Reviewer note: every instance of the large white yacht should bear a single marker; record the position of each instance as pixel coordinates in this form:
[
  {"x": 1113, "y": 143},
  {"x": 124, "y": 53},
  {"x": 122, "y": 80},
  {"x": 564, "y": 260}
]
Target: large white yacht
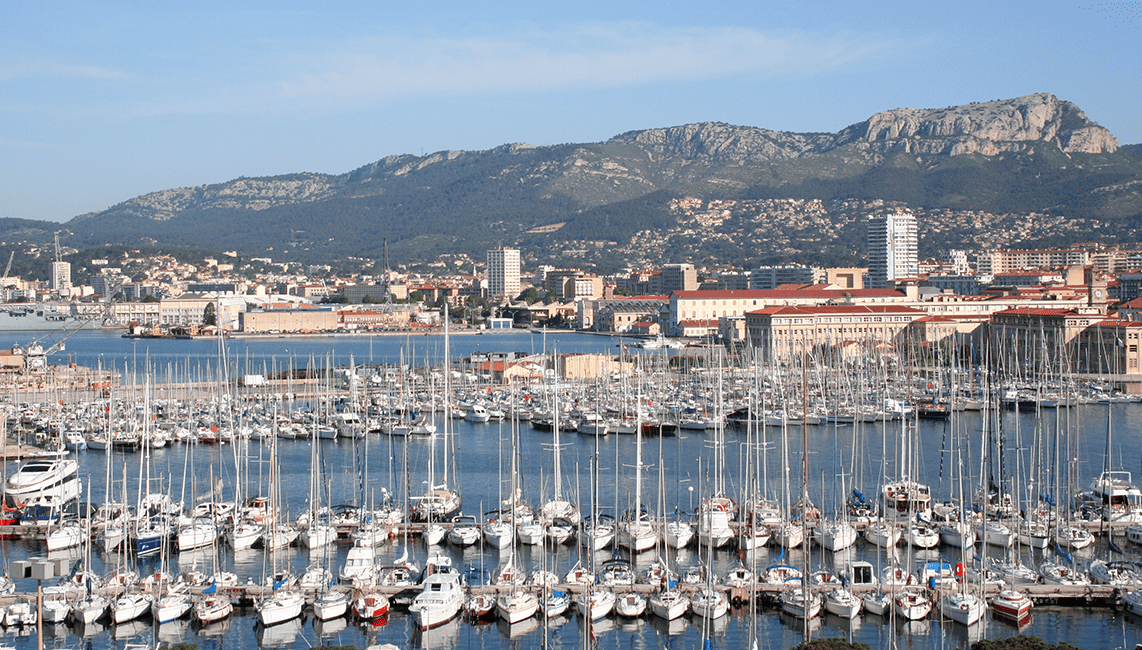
[{"x": 43, "y": 481}]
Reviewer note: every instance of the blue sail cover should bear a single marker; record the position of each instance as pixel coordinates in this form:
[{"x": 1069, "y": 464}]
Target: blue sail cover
[{"x": 1063, "y": 554}]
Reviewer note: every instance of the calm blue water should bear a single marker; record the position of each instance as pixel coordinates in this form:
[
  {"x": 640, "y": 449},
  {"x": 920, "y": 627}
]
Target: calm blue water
[{"x": 481, "y": 450}]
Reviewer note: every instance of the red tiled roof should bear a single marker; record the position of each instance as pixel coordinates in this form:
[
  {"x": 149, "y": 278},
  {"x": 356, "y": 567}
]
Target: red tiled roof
[
  {"x": 1117, "y": 322},
  {"x": 819, "y": 310},
  {"x": 797, "y": 293},
  {"x": 1036, "y": 311}
]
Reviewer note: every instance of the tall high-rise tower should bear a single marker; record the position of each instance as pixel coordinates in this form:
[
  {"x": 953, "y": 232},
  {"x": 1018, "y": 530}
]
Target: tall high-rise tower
[
  {"x": 892, "y": 249},
  {"x": 61, "y": 271},
  {"x": 503, "y": 273}
]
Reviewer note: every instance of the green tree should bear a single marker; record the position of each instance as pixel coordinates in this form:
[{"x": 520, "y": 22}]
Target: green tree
[
  {"x": 529, "y": 295},
  {"x": 150, "y": 298},
  {"x": 1020, "y": 642},
  {"x": 209, "y": 318}
]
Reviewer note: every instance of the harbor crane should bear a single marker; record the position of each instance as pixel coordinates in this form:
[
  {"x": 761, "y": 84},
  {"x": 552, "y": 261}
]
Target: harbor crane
[
  {"x": 36, "y": 354},
  {"x": 7, "y": 269}
]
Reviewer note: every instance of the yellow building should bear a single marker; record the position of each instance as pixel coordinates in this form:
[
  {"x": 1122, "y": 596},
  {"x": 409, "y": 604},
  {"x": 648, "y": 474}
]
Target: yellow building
[
  {"x": 788, "y": 331},
  {"x": 288, "y": 320},
  {"x": 591, "y": 366},
  {"x": 713, "y": 305}
]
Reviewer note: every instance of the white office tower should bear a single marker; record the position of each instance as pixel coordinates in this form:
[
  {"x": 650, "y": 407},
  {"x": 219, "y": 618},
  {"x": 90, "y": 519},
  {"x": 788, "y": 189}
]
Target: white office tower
[
  {"x": 61, "y": 276},
  {"x": 891, "y": 249},
  {"x": 503, "y": 273}
]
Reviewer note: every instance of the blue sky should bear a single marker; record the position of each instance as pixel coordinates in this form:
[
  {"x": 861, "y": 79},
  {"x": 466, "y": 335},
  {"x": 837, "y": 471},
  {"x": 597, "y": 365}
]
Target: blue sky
[{"x": 104, "y": 101}]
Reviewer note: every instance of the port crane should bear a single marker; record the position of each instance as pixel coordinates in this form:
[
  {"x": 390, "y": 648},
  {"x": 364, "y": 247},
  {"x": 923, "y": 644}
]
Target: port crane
[
  {"x": 7, "y": 269},
  {"x": 37, "y": 352}
]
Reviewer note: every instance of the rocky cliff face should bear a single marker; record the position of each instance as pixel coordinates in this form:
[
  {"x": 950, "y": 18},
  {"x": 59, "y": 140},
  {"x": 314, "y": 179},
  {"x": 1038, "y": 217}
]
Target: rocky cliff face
[
  {"x": 986, "y": 128},
  {"x": 718, "y": 141},
  {"x": 248, "y": 193},
  {"x": 528, "y": 180}
]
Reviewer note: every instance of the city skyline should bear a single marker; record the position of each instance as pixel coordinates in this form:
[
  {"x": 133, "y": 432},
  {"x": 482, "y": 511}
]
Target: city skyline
[{"x": 120, "y": 101}]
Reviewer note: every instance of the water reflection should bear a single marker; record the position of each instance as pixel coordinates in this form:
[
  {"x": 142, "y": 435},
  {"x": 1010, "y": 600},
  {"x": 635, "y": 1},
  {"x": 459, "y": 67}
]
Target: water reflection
[
  {"x": 216, "y": 629},
  {"x": 676, "y": 627},
  {"x": 332, "y": 627},
  {"x": 281, "y": 634},
  {"x": 517, "y": 630},
  {"x": 443, "y": 636},
  {"x": 131, "y": 630},
  {"x": 174, "y": 631}
]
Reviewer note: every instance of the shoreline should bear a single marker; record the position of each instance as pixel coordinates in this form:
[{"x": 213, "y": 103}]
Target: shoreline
[{"x": 385, "y": 333}]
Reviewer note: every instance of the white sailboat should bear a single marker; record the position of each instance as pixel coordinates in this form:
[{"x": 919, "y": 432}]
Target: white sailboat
[
  {"x": 285, "y": 603},
  {"x": 635, "y": 531},
  {"x": 442, "y": 501}
]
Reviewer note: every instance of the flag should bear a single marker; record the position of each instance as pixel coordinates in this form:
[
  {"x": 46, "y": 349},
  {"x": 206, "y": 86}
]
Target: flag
[{"x": 1120, "y": 343}]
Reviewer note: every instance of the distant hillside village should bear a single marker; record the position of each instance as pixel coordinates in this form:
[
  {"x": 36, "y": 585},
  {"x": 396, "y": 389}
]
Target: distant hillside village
[{"x": 1039, "y": 301}]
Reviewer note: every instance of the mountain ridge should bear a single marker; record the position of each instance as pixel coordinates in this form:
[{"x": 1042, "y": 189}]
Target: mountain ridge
[{"x": 1026, "y": 154}]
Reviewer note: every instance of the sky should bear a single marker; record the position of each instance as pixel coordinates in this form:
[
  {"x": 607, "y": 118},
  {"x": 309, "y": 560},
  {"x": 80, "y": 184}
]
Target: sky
[{"x": 101, "y": 102}]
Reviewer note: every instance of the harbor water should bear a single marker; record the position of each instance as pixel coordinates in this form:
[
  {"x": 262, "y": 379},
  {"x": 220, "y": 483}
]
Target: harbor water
[{"x": 678, "y": 472}]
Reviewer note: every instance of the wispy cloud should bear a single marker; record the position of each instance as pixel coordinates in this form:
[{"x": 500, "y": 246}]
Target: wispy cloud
[
  {"x": 589, "y": 56},
  {"x": 54, "y": 68}
]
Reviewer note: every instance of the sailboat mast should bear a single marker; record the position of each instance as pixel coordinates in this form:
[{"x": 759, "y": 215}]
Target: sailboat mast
[
  {"x": 447, "y": 395},
  {"x": 555, "y": 430}
]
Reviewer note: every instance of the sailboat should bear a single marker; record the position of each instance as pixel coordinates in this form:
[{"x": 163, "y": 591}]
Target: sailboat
[
  {"x": 909, "y": 601},
  {"x": 961, "y": 605},
  {"x": 92, "y": 606},
  {"x": 285, "y": 603},
  {"x": 597, "y": 531},
  {"x": 500, "y": 529},
  {"x": 517, "y": 605},
  {"x": 171, "y": 600},
  {"x": 558, "y": 507},
  {"x": 635, "y": 531},
  {"x": 370, "y": 605},
  {"x": 442, "y": 501},
  {"x": 802, "y": 602},
  {"x": 320, "y": 531}
]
